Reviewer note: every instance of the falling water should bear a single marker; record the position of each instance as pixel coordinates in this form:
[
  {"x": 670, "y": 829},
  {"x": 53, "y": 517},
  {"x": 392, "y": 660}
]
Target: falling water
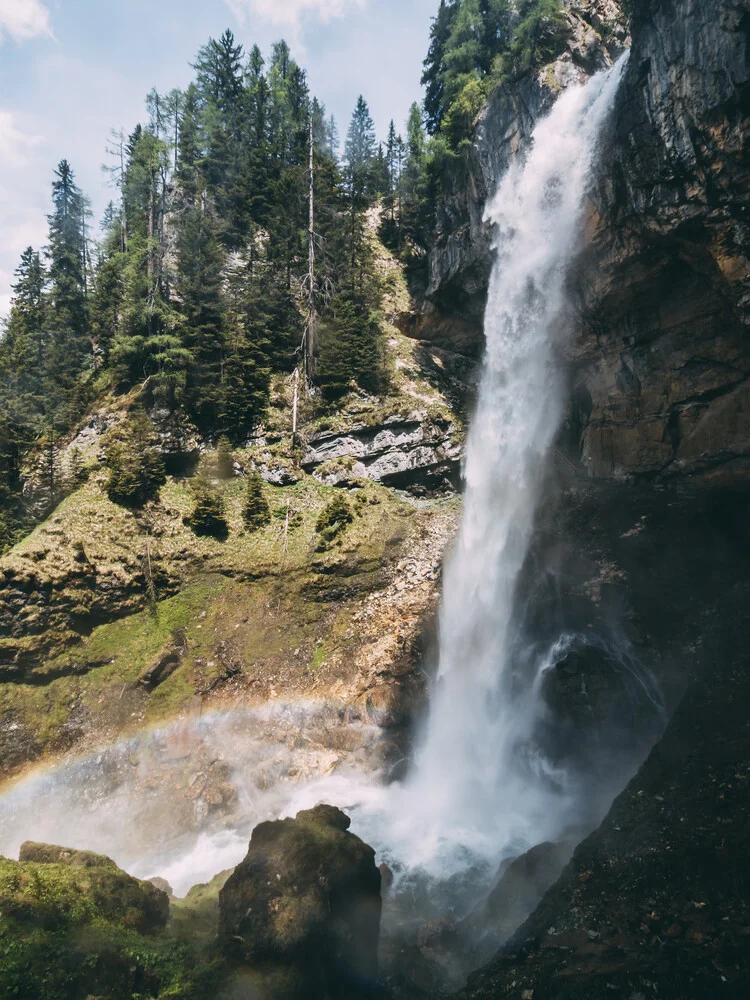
[{"x": 480, "y": 787}]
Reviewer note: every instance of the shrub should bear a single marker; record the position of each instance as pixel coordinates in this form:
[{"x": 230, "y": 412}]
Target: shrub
[
  {"x": 136, "y": 468},
  {"x": 209, "y": 513},
  {"x": 255, "y": 513},
  {"x": 334, "y": 518}
]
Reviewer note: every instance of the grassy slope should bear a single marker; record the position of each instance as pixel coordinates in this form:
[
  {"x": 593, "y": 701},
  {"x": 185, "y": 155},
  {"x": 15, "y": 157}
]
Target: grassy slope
[{"x": 268, "y": 602}]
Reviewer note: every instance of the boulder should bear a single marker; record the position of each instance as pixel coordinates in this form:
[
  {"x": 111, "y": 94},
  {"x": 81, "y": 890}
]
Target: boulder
[{"x": 307, "y": 896}]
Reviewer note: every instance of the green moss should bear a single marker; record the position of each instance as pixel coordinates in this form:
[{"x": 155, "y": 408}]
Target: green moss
[
  {"x": 65, "y": 936},
  {"x": 319, "y": 656}
]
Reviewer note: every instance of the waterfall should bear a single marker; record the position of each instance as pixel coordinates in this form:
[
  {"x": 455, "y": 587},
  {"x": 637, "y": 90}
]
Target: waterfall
[{"x": 480, "y": 789}]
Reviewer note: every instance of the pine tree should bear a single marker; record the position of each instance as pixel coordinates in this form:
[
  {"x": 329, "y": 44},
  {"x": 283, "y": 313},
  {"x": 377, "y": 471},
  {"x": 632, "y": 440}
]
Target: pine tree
[
  {"x": 189, "y": 148},
  {"x": 107, "y": 301},
  {"x": 351, "y": 348},
  {"x": 359, "y": 152},
  {"x": 201, "y": 314},
  {"x": 209, "y": 514},
  {"x": 255, "y": 512},
  {"x": 413, "y": 216},
  {"x": 76, "y": 472},
  {"x": 136, "y": 468},
  {"x": 224, "y": 458},
  {"x": 435, "y": 101},
  {"x": 29, "y": 305},
  {"x": 67, "y": 317},
  {"x": 220, "y": 84}
]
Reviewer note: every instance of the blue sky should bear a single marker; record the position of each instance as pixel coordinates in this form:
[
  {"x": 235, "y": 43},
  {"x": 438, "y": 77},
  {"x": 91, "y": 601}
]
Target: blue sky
[{"x": 70, "y": 70}]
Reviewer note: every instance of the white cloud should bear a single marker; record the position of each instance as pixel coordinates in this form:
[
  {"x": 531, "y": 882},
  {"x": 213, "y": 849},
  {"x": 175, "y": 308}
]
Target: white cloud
[
  {"x": 290, "y": 13},
  {"x": 15, "y": 144},
  {"x": 22, "y": 19}
]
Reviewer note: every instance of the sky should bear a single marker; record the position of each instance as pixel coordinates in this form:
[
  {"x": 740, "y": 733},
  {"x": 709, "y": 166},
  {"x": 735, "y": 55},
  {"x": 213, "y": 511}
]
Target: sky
[{"x": 71, "y": 70}]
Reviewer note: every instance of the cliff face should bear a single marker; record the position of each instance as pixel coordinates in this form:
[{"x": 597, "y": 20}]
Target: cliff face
[
  {"x": 657, "y": 349},
  {"x": 661, "y": 357}
]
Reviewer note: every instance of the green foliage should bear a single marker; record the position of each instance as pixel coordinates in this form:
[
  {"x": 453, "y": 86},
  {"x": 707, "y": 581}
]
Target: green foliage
[
  {"x": 136, "y": 468},
  {"x": 477, "y": 43},
  {"x": 65, "y": 934},
  {"x": 67, "y": 336},
  {"x": 461, "y": 115},
  {"x": 351, "y": 348},
  {"x": 196, "y": 293},
  {"x": 334, "y": 519},
  {"x": 76, "y": 473},
  {"x": 537, "y": 39},
  {"x": 255, "y": 511},
  {"x": 209, "y": 514}
]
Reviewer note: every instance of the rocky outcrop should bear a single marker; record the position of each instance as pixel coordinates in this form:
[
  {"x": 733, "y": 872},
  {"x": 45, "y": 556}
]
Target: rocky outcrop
[
  {"x": 400, "y": 452},
  {"x": 307, "y": 896}
]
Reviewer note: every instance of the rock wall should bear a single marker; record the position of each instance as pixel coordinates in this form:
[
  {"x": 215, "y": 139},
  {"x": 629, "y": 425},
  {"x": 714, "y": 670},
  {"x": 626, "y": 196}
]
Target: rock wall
[
  {"x": 660, "y": 358},
  {"x": 657, "y": 350}
]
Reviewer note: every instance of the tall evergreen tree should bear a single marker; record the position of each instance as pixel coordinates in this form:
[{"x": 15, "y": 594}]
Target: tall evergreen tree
[
  {"x": 201, "y": 312},
  {"x": 359, "y": 150},
  {"x": 67, "y": 317},
  {"x": 435, "y": 101}
]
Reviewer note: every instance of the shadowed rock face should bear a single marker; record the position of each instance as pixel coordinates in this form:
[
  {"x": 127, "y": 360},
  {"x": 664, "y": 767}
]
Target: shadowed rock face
[
  {"x": 655, "y": 902},
  {"x": 660, "y": 355},
  {"x": 306, "y": 896}
]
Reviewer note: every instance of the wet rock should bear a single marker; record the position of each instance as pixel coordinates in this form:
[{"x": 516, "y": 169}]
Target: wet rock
[
  {"x": 386, "y": 876},
  {"x": 306, "y": 896}
]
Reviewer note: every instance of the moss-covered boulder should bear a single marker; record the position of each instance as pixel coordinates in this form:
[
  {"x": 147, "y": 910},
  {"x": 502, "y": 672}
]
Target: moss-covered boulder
[
  {"x": 73, "y": 925},
  {"x": 307, "y": 897}
]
